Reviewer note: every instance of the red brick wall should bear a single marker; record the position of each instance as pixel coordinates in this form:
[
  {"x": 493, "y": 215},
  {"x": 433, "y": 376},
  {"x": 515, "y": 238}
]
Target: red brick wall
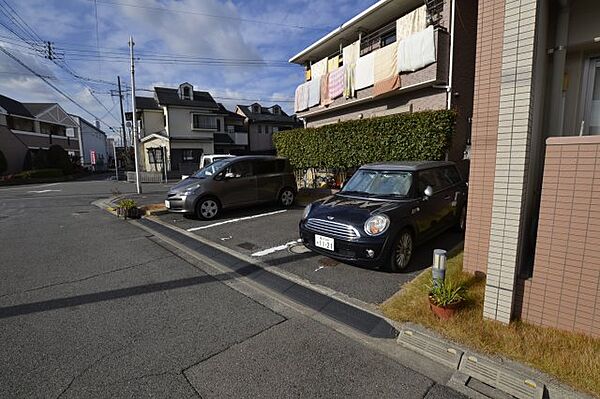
[
  {"x": 490, "y": 30},
  {"x": 564, "y": 291}
]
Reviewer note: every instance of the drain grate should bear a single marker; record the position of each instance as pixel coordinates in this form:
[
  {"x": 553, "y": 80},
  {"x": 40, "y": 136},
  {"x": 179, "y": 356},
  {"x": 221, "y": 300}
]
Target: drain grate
[
  {"x": 431, "y": 348},
  {"x": 247, "y": 245},
  {"x": 494, "y": 375}
]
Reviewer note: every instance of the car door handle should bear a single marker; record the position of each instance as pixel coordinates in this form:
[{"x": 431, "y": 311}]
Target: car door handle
[{"x": 448, "y": 197}]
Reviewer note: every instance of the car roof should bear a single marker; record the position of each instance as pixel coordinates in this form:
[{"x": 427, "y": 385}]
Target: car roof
[
  {"x": 257, "y": 157},
  {"x": 411, "y": 166}
]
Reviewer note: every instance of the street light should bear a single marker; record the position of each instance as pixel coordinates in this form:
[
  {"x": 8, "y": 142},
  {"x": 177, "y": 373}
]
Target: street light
[{"x": 438, "y": 270}]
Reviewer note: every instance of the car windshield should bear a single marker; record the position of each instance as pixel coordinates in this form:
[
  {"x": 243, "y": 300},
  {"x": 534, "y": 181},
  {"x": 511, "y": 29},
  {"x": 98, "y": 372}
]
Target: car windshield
[
  {"x": 211, "y": 169},
  {"x": 379, "y": 183}
]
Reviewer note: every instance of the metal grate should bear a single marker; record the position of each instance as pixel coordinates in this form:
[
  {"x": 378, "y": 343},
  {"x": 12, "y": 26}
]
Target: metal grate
[
  {"x": 434, "y": 11},
  {"x": 333, "y": 229}
]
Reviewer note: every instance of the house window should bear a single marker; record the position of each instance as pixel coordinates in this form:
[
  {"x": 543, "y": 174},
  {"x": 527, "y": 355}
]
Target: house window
[
  {"x": 218, "y": 125},
  {"x": 276, "y": 110},
  {"x": 188, "y": 155},
  {"x": 275, "y": 129},
  {"x": 388, "y": 38},
  {"x": 256, "y": 108},
  {"x": 204, "y": 121},
  {"x": 186, "y": 93},
  {"x": 230, "y": 129}
]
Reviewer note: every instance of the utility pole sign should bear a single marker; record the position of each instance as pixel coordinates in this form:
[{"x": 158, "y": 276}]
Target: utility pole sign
[{"x": 93, "y": 157}]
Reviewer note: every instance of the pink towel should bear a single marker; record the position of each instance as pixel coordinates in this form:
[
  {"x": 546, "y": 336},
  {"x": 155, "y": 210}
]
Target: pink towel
[{"x": 336, "y": 82}]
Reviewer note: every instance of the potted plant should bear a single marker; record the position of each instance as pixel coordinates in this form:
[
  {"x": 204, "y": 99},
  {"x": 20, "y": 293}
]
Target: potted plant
[
  {"x": 127, "y": 208},
  {"x": 445, "y": 298}
]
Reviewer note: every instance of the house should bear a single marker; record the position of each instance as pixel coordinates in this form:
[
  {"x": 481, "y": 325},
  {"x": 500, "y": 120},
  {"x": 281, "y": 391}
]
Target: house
[
  {"x": 181, "y": 124},
  {"x": 235, "y": 138},
  {"x": 93, "y": 145},
  {"x": 396, "y": 56},
  {"x": 29, "y": 127},
  {"x": 261, "y": 122},
  {"x": 533, "y": 222}
]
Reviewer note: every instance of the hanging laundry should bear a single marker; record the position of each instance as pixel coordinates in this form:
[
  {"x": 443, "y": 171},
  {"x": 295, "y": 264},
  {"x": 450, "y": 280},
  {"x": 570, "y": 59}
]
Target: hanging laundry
[
  {"x": 336, "y": 83},
  {"x": 364, "y": 72},
  {"x": 301, "y": 98},
  {"x": 411, "y": 23},
  {"x": 350, "y": 53},
  {"x": 386, "y": 72},
  {"x": 307, "y": 75},
  {"x": 314, "y": 92},
  {"x": 349, "y": 81},
  {"x": 333, "y": 63},
  {"x": 325, "y": 99},
  {"x": 417, "y": 51},
  {"x": 319, "y": 68}
]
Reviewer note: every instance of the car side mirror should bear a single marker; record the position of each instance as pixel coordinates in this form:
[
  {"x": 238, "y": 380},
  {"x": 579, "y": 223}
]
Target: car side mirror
[{"x": 428, "y": 192}]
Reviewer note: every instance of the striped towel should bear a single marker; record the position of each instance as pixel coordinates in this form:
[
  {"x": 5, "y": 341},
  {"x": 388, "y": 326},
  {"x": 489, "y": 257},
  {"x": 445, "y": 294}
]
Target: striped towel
[{"x": 336, "y": 82}]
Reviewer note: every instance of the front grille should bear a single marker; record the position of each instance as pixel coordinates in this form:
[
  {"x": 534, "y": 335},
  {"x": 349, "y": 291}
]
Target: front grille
[{"x": 333, "y": 229}]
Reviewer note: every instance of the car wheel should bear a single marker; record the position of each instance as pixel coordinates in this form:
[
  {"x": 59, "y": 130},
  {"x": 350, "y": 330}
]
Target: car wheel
[
  {"x": 401, "y": 251},
  {"x": 287, "y": 197},
  {"x": 208, "y": 208}
]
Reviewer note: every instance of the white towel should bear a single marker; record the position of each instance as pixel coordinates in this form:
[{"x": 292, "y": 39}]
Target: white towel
[
  {"x": 301, "y": 98},
  {"x": 319, "y": 69},
  {"x": 364, "y": 73},
  {"x": 314, "y": 92},
  {"x": 351, "y": 53},
  {"x": 416, "y": 51}
]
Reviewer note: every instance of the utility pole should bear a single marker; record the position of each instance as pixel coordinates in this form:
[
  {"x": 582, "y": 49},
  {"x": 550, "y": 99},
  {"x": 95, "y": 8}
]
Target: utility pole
[
  {"x": 134, "y": 119},
  {"x": 122, "y": 117}
]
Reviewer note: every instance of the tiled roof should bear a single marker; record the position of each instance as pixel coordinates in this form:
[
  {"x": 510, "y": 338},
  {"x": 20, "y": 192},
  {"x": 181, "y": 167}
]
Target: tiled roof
[
  {"x": 202, "y": 99},
  {"x": 146, "y": 103},
  {"x": 266, "y": 115},
  {"x": 228, "y": 112},
  {"x": 13, "y": 107}
]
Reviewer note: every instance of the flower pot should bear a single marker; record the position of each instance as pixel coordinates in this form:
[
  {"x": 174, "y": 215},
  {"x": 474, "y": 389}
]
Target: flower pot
[{"x": 444, "y": 312}]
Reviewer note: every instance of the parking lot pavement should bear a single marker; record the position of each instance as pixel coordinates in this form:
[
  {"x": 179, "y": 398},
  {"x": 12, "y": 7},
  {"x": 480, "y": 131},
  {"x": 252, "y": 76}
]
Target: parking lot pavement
[{"x": 265, "y": 232}]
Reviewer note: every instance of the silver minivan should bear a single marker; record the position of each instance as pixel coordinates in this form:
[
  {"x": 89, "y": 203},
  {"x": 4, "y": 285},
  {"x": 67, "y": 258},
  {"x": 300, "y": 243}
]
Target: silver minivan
[{"x": 234, "y": 182}]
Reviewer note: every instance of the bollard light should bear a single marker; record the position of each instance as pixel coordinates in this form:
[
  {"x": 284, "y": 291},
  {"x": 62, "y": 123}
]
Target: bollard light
[{"x": 438, "y": 270}]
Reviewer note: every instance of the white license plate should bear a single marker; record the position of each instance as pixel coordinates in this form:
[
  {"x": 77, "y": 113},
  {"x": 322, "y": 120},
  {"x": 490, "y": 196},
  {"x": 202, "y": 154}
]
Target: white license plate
[
  {"x": 167, "y": 204},
  {"x": 324, "y": 242}
]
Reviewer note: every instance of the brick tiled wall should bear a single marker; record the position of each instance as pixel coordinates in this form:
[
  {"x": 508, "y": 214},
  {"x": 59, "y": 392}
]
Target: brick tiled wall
[
  {"x": 490, "y": 29},
  {"x": 564, "y": 291}
]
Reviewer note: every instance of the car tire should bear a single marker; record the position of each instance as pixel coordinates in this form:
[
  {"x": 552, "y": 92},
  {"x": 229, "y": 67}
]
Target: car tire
[
  {"x": 208, "y": 208},
  {"x": 287, "y": 196},
  {"x": 402, "y": 251},
  {"x": 461, "y": 224}
]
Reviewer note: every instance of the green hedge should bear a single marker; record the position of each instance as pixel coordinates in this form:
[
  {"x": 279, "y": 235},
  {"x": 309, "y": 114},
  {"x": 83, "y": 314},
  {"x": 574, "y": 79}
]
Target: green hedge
[
  {"x": 404, "y": 137},
  {"x": 39, "y": 173}
]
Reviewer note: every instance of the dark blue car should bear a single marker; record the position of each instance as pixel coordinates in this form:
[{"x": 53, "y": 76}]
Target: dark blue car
[{"x": 384, "y": 210}]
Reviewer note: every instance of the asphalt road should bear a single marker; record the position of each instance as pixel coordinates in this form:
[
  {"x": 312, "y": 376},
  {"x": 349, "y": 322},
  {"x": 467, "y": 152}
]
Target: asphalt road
[
  {"x": 92, "y": 306},
  {"x": 264, "y": 231}
]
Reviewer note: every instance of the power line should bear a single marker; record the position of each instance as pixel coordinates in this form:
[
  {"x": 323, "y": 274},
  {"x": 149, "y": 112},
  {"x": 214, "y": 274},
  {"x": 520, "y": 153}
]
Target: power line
[
  {"x": 194, "y": 12},
  {"x": 28, "y": 28},
  {"x": 65, "y": 95}
]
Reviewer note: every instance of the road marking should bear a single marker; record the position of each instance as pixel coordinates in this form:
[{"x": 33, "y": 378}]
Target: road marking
[
  {"x": 319, "y": 268},
  {"x": 274, "y": 249},
  {"x": 42, "y": 191},
  {"x": 236, "y": 220}
]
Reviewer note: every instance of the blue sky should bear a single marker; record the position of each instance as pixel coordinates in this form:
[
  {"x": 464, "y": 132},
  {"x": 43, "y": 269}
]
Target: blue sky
[{"x": 217, "y": 29}]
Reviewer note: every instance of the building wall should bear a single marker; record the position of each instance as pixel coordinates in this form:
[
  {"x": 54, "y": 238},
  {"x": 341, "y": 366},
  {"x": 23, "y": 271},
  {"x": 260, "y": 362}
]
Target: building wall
[
  {"x": 260, "y": 141},
  {"x": 564, "y": 291},
  {"x": 93, "y": 140},
  {"x": 490, "y": 31},
  {"x": 153, "y": 121},
  {"x": 14, "y": 150},
  {"x": 180, "y": 124}
]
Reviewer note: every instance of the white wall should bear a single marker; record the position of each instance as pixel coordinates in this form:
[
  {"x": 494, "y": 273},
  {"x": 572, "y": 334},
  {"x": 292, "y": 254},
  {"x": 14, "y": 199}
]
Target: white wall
[
  {"x": 93, "y": 139},
  {"x": 180, "y": 124},
  {"x": 153, "y": 121}
]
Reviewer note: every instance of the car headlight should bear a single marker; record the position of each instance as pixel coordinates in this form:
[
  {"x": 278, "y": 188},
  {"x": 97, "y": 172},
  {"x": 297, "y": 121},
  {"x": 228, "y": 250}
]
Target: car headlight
[
  {"x": 306, "y": 211},
  {"x": 191, "y": 189},
  {"x": 377, "y": 225}
]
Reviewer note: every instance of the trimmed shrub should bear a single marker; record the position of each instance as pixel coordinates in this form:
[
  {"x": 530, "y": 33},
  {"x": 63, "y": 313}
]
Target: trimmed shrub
[
  {"x": 404, "y": 137},
  {"x": 3, "y": 163},
  {"x": 58, "y": 158},
  {"x": 39, "y": 174}
]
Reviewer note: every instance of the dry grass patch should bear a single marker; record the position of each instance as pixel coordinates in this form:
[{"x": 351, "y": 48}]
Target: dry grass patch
[{"x": 571, "y": 358}]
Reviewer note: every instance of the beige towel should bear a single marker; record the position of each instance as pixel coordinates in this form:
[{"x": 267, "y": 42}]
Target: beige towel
[
  {"x": 325, "y": 99},
  {"x": 350, "y": 53},
  {"x": 386, "y": 85},
  {"x": 333, "y": 63},
  {"x": 410, "y": 23},
  {"x": 386, "y": 62}
]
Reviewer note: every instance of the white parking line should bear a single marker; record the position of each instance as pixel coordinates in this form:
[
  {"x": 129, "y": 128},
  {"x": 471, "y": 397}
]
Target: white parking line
[
  {"x": 42, "y": 191},
  {"x": 236, "y": 220},
  {"x": 274, "y": 249}
]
